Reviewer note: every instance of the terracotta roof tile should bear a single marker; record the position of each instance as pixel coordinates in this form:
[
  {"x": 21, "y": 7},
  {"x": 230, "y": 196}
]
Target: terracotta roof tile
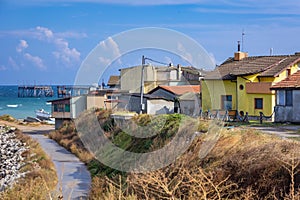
[
  {"x": 292, "y": 81},
  {"x": 266, "y": 65}
]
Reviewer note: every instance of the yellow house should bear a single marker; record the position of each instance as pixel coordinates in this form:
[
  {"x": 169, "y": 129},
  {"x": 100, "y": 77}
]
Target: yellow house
[{"x": 242, "y": 83}]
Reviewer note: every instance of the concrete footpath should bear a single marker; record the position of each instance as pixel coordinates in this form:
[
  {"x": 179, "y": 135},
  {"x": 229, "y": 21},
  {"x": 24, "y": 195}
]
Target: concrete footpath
[{"x": 74, "y": 180}]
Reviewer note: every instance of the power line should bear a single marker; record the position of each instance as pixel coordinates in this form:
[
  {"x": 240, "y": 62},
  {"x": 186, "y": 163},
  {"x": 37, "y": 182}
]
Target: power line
[{"x": 156, "y": 61}]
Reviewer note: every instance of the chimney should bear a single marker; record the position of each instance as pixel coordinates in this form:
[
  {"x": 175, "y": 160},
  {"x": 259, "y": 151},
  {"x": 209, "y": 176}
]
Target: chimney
[
  {"x": 240, "y": 55},
  {"x": 239, "y": 46},
  {"x": 178, "y": 71}
]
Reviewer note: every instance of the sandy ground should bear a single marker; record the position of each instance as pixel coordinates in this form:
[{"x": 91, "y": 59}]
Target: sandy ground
[
  {"x": 285, "y": 131},
  {"x": 74, "y": 178}
]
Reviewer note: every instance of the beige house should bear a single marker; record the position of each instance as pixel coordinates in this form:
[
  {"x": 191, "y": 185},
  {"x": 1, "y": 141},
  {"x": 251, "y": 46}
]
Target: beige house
[
  {"x": 67, "y": 109},
  {"x": 70, "y": 108},
  {"x": 154, "y": 76}
]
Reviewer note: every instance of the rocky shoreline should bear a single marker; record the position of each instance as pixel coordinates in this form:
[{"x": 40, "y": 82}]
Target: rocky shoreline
[{"x": 11, "y": 160}]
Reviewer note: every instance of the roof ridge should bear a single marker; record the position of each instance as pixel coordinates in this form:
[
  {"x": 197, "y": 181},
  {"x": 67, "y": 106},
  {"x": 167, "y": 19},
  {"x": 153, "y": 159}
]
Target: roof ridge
[{"x": 274, "y": 64}]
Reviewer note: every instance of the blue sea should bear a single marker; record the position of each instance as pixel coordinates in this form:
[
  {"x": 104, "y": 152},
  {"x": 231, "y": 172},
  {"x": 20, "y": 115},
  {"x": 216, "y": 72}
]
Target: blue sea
[{"x": 20, "y": 108}]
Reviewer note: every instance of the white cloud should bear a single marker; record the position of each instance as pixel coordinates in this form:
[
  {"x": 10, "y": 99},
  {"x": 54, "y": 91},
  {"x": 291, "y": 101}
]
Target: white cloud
[
  {"x": 37, "y": 61},
  {"x": 112, "y": 51},
  {"x": 187, "y": 56},
  {"x": 110, "y": 45},
  {"x": 21, "y": 46},
  {"x": 104, "y": 61},
  {"x": 45, "y": 33},
  {"x": 13, "y": 63},
  {"x": 63, "y": 53}
]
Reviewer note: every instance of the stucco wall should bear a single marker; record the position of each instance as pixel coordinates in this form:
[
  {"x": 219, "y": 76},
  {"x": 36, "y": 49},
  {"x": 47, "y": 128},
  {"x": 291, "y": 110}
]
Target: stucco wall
[
  {"x": 246, "y": 98},
  {"x": 159, "y": 106},
  {"x": 78, "y": 105},
  {"x": 131, "y": 78},
  {"x": 289, "y": 113},
  {"x": 130, "y": 103},
  {"x": 95, "y": 102},
  {"x": 189, "y": 107},
  {"x": 212, "y": 91}
]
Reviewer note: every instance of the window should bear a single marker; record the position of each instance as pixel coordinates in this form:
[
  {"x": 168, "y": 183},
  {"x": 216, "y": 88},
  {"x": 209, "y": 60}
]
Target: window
[
  {"x": 226, "y": 102},
  {"x": 258, "y": 103},
  {"x": 288, "y": 72},
  {"x": 289, "y": 97},
  {"x": 55, "y": 108},
  {"x": 281, "y": 97},
  {"x": 284, "y": 97},
  {"x": 67, "y": 107},
  {"x": 61, "y": 108}
]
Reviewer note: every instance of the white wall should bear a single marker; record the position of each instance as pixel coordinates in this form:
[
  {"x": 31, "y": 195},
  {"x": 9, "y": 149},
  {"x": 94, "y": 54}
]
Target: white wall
[
  {"x": 296, "y": 106},
  {"x": 95, "y": 102},
  {"x": 131, "y": 77},
  {"x": 289, "y": 113},
  {"x": 78, "y": 105},
  {"x": 159, "y": 106}
]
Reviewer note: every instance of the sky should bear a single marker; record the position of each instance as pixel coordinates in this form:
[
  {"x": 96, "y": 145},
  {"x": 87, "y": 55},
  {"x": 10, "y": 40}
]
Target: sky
[{"x": 46, "y": 41}]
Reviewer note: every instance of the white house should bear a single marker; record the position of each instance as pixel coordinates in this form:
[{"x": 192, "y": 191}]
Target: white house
[{"x": 287, "y": 107}]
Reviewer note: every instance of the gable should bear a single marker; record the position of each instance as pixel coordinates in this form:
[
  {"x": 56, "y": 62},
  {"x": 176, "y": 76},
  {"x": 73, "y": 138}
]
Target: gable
[
  {"x": 267, "y": 66},
  {"x": 291, "y": 82}
]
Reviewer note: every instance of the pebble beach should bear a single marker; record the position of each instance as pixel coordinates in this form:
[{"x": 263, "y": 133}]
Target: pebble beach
[{"x": 11, "y": 160}]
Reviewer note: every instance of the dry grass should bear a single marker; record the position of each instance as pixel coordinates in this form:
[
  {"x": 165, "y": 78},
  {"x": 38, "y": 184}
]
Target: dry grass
[
  {"x": 236, "y": 164},
  {"x": 7, "y": 118},
  {"x": 41, "y": 177},
  {"x": 242, "y": 165}
]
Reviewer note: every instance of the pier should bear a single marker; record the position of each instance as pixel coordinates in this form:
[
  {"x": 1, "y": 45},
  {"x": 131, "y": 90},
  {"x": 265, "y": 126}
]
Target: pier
[{"x": 35, "y": 91}]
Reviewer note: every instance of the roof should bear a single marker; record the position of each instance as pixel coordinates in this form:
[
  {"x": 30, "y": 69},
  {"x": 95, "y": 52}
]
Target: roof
[
  {"x": 292, "y": 82},
  {"x": 147, "y": 96},
  {"x": 113, "y": 80},
  {"x": 267, "y": 66},
  {"x": 59, "y": 100},
  {"x": 189, "y": 96},
  {"x": 178, "y": 90},
  {"x": 193, "y": 70}
]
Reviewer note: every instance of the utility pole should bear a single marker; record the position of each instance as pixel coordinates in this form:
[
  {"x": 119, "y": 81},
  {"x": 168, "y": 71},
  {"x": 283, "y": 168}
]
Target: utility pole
[{"x": 142, "y": 85}]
